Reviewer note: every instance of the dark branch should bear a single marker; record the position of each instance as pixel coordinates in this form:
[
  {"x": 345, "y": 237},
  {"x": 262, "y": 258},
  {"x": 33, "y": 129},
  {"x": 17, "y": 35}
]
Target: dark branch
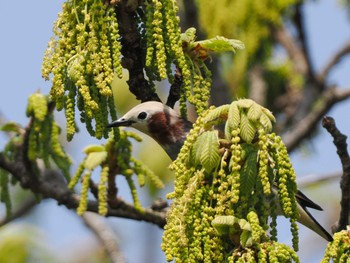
[
  {"x": 175, "y": 89},
  {"x": 315, "y": 179},
  {"x": 132, "y": 51},
  {"x": 53, "y": 186},
  {"x": 303, "y": 129},
  {"x": 23, "y": 209},
  {"x": 106, "y": 235},
  {"x": 302, "y": 39},
  {"x": 258, "y": 87},
  {"x": 338, "y": 56},
  {"x": 295, "y": 53},
  {"x": 339, "y": 141}
]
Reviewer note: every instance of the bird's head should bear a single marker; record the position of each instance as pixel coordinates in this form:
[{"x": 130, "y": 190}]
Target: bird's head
[{"x": 160, "y": 122}]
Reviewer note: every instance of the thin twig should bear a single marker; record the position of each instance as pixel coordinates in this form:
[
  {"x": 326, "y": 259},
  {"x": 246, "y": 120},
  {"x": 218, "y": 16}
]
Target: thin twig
[
  {"x": 339, "y": 141},
  {"x": 337, "y": 57},
  {"x": 293, "y": 50},
  {"x": 24, "y": 208},
  {"x": 51, "y": 186},
  {"x": 105, "y": 234},
  {"x": 312, "y": 179},
  {"x": 304, "y": 128},
  {"x": 300, "y": 27}
]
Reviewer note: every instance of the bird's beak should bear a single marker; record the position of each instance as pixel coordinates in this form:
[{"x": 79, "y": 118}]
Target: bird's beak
[{"x": 120, "y": 122}]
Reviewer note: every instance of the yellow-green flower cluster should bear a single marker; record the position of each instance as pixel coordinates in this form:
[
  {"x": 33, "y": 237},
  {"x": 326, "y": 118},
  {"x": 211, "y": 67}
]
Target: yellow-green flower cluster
[
  {"x": 114, "y": 158},
  {"x": 162, "y": 38},
  {"x": 43, "y": 141},
  {"x": 165, "y": 48},
  {"x": 82, "y": 58},
  {"x": 196, "y": 75},
  {"x": 247, "y": 170},
  {"x": 339, "y": 249},
  {"x": 272, "y": 252}
]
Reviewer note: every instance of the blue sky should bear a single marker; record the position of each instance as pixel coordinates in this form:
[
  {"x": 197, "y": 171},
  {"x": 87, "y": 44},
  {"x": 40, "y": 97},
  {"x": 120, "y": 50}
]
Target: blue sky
[{"x": 25, "y": 28}]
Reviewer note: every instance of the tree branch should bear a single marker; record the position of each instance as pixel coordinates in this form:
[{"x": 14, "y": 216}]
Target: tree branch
[
  {"x": 296, "y": 54},
  {"x": 313, "y": 179},
  {"x": 300, "y": 27},
  {"x": 339, "y": 141},
  {"x": 337, "y": 57},
  {"x": 52, "y": 185},
  {"x": 175, "y": 89},
  {"x": 105, "y": 234},
  {"x": 258, "y": 87},
  {"x": 24, "y": 208},
  {"x": 132, "y": 51},
  {"x": 305, "y": 126}
]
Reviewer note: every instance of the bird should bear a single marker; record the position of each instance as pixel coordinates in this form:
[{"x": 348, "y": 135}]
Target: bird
[{"x": 169, "y": 130}]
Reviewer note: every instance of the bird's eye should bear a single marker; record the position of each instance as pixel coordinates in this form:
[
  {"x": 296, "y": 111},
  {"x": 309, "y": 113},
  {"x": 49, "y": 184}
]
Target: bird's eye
[{"x": 142, "y": 115}]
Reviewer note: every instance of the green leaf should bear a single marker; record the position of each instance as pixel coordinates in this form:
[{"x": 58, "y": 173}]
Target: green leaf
[
  {"x": 234, "y": 117},
  {"x": 206, "y": 150},
  {"x": 249, "y": 171},
  {"x": 246, "y": 239},
  {"x": 245, "y": 103},
  {"x": 222, "y": 224},
  {"x": 244, "y": 224},
  {"x": 210, "y": 156},
  {"x": 215, "y": 114},
  {"x": 266, "y": 122},
  {"x": 254, "y": 112},
  {"x": 189, "y": 35},
  {"x": 196, "y": 151},
  {"x": 11, "y": 127},
  {"x": 220, "y": 44},
  {"x": 248, "y": 129},
  {"x": 268, "y": 114},
  {"x": 93, "y": 148},
  {"x": 94, "y": 159}
]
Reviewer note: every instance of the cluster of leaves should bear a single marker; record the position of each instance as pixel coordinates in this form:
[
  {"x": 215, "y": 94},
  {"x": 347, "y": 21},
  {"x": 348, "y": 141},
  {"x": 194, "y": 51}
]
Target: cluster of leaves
[
  {"x": 197, "y": 85},
  {"x": 247, "y": 170},
  {"x": 83, "y": 56},
  {"x": 112, "y": 158},
  {"x": 339, "y": 249}
]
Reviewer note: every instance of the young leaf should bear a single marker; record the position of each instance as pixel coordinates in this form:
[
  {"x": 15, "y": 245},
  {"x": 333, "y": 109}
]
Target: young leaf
[
  {"x": 249, "y": 171},
  {"x": 247, "y": 129},
  {"x": 94, "y": 159},
  {"x": 233, "y": 118},
  {"x": 245, "y": 103},
  {"x": 206, "y": 150},
  {"x": 220, "y": 44},
  {"x": 266, "y": 122},
  {"x": 219, "y": 112},
  {"x": 11, "y": 127},
  {"x": 225, "y": 225},
  {"x": 254, "y": 112},
  {"x": 93, "y": 148},
  {"x": 210, "y": 156},
  {"x": 268, "y": 114},
  {"x": 246, "y": 239},
  {"x": 189, "y": 35}
]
